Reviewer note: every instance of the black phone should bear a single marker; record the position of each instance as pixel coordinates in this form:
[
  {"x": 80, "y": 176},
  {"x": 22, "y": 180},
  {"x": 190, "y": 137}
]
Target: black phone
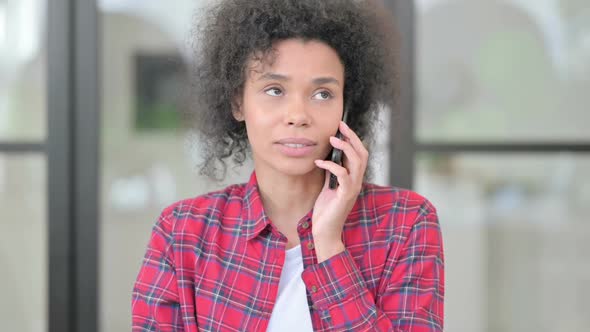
[{"x": 336, "y": 155}]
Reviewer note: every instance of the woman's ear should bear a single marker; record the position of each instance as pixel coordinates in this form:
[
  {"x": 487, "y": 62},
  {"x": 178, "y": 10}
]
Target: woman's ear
[
  {"x": 238, "y": 115},
  {"x": 236, "y": 110}
]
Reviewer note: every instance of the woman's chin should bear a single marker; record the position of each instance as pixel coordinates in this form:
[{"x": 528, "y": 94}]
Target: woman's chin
[{"x": 298, "y": 168}]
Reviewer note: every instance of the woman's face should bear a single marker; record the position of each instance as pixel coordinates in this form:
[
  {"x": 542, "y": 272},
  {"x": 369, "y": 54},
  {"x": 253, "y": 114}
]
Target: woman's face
[{"x": 292, "y": 106}]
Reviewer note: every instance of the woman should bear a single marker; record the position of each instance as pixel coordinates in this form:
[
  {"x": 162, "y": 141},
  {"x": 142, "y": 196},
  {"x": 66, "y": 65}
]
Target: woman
[{"x": 284, "y": 252}]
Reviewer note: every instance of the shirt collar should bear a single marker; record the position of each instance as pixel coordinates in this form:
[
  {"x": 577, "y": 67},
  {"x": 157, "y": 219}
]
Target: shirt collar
[{"x": 254, "y": 219}]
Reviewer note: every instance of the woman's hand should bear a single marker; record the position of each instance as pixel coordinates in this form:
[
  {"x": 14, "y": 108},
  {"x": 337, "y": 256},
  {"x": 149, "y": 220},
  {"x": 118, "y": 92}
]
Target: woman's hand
[{"x": 333, "y": 206}]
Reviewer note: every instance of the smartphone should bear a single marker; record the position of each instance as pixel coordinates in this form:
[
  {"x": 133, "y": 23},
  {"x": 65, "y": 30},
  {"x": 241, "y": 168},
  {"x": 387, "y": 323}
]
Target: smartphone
[{"x": 337, "y": 153}]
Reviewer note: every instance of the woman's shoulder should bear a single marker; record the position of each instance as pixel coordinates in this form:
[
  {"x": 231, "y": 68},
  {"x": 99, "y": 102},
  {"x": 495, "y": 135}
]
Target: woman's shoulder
[
  {"x": 392, "y": 195},
  {"x": 208, "y": 207},
  {"x": 391, "y": 200}
]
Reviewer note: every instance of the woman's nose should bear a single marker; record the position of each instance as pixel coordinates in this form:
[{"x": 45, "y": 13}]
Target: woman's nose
[{"x": 297, "y": 114}]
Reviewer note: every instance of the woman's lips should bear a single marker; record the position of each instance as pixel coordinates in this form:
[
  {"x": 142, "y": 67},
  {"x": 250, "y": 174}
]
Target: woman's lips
[
  {"x": 296, "y": 140},
  {"x": 294, "y": 150}
]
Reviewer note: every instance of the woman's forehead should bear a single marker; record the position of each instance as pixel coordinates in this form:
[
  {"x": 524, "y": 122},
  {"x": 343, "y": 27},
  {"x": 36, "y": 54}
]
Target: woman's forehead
[{"x": 297, "y": 59}]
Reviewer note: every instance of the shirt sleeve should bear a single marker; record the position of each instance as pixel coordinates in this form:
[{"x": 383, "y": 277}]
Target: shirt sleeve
[
  {"x": 155, "y": 300},
  {"x": 410, "y": 296}
]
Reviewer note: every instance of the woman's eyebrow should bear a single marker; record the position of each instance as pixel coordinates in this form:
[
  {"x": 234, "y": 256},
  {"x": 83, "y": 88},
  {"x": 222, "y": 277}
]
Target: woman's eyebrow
[
  {"x": 325, "y": 80},
  {"x": 279, "y": 77},
  {"x": 273, "y": 77}
]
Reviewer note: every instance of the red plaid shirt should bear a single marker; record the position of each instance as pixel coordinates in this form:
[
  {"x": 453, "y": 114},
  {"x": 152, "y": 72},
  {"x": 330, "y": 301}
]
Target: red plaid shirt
[{"x": 214, "y": 262}]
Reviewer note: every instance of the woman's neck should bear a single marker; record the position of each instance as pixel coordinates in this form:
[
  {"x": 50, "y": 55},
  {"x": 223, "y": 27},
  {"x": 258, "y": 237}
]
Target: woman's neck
[{"x": 286, "y": 199}]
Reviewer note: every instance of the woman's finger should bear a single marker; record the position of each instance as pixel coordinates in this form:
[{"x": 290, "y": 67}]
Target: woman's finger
[
  {"x": 354, "y": 140},
  {"x": 359, "y": 165},
  {"x": 340, "y": 172},
  {"x": 354, "y": 160}
]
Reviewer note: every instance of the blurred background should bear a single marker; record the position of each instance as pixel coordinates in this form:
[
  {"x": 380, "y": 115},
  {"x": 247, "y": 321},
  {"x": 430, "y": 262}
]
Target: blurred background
[{"x": 492, "y": 127}]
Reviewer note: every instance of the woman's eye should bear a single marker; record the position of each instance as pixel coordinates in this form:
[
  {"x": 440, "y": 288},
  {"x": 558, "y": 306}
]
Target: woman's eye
[
  {"x": 275, "y": 92},
  {"x": 322, "y": 95}
]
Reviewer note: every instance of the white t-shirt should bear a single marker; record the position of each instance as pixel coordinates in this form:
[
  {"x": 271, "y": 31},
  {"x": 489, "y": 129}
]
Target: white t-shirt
[{"x": 291, "y": 311}]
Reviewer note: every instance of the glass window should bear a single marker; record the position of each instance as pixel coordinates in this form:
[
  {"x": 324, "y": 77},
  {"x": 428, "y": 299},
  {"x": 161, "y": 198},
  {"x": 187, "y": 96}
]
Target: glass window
[
  {"x": 516, "y": 238},
  {"x": 515, "y": 70},
  {"x": 22, "y": 70},
  {"x": 23, "y": 249}
]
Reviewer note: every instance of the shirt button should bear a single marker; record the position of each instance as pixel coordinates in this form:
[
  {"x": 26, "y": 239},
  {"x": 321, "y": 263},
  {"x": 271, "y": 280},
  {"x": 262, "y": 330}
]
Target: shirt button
[
  {"x": 310, "y": 245},
  {"x": 305, "y": 225},
  {"x": 314, "y": 289}
]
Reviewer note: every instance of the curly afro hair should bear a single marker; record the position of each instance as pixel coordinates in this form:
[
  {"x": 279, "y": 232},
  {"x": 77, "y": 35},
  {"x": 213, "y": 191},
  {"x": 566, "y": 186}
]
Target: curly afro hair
[{"x": 232, "y": 32}]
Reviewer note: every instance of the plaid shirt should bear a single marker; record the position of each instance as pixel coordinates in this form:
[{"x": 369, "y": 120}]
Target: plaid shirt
[{"x": 214, "y": 262}]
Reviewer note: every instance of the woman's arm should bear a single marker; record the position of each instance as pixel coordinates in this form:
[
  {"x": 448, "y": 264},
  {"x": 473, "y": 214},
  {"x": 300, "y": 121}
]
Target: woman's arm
[
  {"x": 411, "y": 291},
  {"x": 155, "y": 302}
]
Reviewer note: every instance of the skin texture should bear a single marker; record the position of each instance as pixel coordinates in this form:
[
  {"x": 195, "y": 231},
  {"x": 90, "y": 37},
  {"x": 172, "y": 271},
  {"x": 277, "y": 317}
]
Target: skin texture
[{"x": 300, "y": 94}]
